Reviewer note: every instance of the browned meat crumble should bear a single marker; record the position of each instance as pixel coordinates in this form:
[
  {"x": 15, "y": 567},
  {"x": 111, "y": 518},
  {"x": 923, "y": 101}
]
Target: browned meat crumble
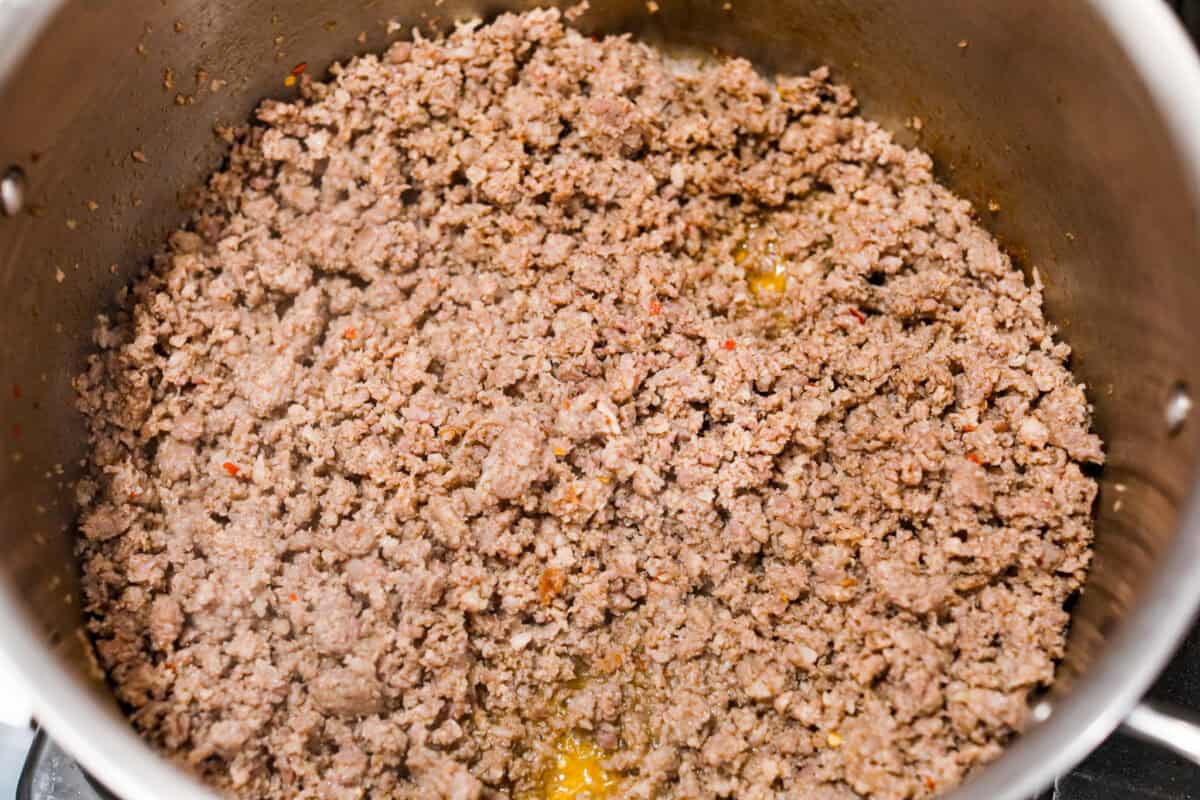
[{"x": 463, "y": 416}]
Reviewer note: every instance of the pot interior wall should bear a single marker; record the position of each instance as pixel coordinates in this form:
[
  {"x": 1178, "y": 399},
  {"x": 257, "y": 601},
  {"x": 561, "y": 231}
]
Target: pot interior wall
[{"x": 1063, "y": 138}]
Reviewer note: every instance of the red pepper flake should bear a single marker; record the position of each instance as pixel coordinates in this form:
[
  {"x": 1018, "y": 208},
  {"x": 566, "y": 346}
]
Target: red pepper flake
[
  {"x": 16, "y": 391},
  {"x": 134, "y": 495},
  {"x": 231, "y": 468},
  {"x": 858, "y": 315},
  {"x": 729, "y": 344},
  {"x": 655, "y": 308},
  {"x": 968, "y": 428},
  {"x": 974, "y": 459},
  {"x": 299, "y": 68},
  {"x": 293, "y": 597},
  {"x": 930, "y": 784},
  {"x": 351, "y": 334},
  {"x": 16, "y": 429}
]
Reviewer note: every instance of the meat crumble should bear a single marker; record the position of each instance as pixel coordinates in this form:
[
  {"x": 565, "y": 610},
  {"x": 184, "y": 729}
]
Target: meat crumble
[{"x": 515, "y": 387}]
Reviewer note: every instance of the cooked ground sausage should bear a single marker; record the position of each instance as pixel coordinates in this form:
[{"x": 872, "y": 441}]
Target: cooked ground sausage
[{"x": 516, "y": 383}]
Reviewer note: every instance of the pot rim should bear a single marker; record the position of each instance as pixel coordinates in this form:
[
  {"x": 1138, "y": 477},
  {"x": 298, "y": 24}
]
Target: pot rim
[{"x": 99, "y": 737}]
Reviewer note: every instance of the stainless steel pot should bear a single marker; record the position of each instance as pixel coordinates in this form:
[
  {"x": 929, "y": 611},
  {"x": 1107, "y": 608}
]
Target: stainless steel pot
[{"x": 1080, "y": 118}]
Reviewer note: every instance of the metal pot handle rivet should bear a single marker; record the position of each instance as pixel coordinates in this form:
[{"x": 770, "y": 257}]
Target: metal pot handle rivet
[
  {"x": 12, "y": 192},
  {"x": 1179, "y": 407}
]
